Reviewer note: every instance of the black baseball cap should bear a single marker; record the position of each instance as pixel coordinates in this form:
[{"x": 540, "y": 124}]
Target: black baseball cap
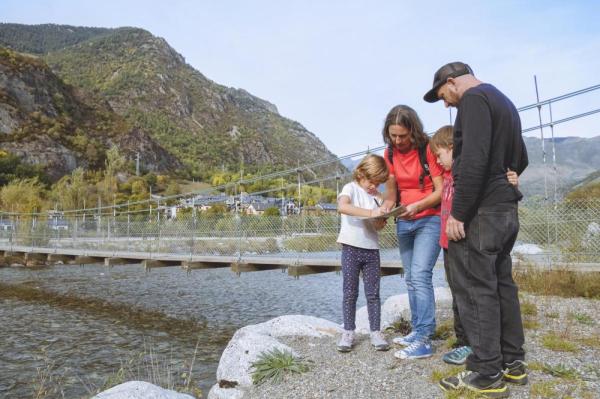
[{"x": 451, "y": 70}]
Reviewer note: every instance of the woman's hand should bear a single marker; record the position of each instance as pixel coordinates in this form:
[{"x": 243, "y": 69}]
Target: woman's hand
[{"x": 410, "y": 213}]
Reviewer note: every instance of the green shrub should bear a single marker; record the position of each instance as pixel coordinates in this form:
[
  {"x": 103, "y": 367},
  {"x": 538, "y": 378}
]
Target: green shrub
[{"x": 274, "y": 364}]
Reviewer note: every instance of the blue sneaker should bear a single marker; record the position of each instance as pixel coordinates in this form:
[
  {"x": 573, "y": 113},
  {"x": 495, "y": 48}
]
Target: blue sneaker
[
  {"x": 407, "y": 339},
  {"x": 458, "y": 355},
  {"x": 417, "y": 350}
]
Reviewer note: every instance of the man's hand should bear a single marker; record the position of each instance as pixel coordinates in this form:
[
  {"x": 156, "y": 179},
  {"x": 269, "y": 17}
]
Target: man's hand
[{"x": 455, "y": 229}]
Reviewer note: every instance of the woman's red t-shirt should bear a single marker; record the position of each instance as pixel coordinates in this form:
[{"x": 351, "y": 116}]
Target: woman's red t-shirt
[{"x": 407, "y": 169}]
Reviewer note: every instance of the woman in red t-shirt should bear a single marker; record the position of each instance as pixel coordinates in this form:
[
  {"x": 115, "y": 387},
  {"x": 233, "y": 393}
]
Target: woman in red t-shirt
[{"x": 418, "y": 228}]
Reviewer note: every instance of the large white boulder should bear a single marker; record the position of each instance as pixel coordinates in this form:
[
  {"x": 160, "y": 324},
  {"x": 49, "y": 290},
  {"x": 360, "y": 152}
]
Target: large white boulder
[
  {"x": 395, "y": 307},
  {"x": 297, "y": 325},
  {"x": 526, "y": 249},
  {"x": 248, "y": 342},
  {"x": 224, "y": 393},
  {"x": 242, "y": 350},
  {"x": 140, "y": 390}
]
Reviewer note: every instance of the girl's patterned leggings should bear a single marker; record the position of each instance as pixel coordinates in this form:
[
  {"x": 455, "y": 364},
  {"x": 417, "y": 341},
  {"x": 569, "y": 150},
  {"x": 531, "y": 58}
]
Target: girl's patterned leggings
[{"x": 353, "y": 261}]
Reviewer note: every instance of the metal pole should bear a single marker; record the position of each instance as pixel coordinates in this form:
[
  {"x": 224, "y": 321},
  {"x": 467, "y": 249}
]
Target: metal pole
[{"x": 539, "y": 108}]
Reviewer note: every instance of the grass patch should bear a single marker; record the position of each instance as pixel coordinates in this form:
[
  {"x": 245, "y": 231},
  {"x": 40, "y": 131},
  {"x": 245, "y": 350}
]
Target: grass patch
[
  {"x": 274, "y": 364},
  {"x": 528, "y": 309},
  {"x": 557, "y": 343},
  {"x": 531, "y": 324},
  {"x": 552, "y": 315},
  {"x": 158, "y": 370},
  {"x": 451, "y": 342},
  {"x": 545, "y": 389},
  {"x": 444, "y": 330},
  {"x": 559, "y": 282},
  {"x": 400, "y": 326},
  {"x": 535, "y": 366},
  {"x": 463, "y": 394},
  {"x": 561, "y": 371},
  {"x": 438, "y": 373},
  {"x": 582, "y": 318},
  {"x": 592, "y": 342}
]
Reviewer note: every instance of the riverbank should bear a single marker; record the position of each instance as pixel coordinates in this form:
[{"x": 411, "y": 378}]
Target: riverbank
[{"x": 562, "y": 344}]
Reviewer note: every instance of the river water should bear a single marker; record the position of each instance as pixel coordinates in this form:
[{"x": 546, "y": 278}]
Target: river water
[{"x": 66, "y": 329}]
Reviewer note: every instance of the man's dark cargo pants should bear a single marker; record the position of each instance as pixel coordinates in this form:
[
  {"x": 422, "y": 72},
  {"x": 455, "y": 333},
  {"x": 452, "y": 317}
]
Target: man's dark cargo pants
[{"x": 486, "y": 294}]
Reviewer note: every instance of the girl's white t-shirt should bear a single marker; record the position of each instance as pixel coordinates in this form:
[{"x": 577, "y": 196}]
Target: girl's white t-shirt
[{"x": 357, "y": 231}]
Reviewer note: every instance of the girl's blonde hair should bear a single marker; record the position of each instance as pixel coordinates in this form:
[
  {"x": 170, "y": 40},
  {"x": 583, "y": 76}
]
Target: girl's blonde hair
[
  {"x": 443, "y": 138},
  {"x": 373, "y": 168}
]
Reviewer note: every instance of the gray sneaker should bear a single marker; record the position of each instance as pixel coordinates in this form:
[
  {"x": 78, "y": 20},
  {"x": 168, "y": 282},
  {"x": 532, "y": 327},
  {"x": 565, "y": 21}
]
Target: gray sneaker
[
  {"x": 346, "y": 342},
  {"x": 379, "y": 341}
]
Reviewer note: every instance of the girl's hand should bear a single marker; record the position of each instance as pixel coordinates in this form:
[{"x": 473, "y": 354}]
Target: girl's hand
[
  {"x": 512, "y": 177},
  {"x": 410, "y": 213},
  {"x": 377, "y": 212}
]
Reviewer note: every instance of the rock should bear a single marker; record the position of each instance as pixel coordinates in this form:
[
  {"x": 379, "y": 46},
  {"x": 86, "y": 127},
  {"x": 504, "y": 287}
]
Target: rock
[
  {"x": 242, "y": 350},
  {"x": 527, "y": 249},
  {"x": 140, "y": 390},
  {"x": 217, "y": 392},
  {"x": 393, "y": 308},
  {"x": 250, "y": 341},
  {"x": 297, "y": 325}
]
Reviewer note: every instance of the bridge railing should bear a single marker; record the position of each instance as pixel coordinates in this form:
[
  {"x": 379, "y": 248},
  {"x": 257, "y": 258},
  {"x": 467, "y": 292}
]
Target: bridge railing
[{"x": 565, "y": 232}]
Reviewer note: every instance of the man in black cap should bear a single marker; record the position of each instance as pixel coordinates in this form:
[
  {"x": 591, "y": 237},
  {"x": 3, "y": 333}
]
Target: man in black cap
[{"x": 482, "y": 229}]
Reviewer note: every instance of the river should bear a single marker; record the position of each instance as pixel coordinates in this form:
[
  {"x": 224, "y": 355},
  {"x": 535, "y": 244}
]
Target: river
[{"x": 73, "y": 327}]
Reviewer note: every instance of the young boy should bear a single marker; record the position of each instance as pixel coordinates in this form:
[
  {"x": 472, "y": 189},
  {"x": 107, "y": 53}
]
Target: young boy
[{"x": 441, "y": 145}]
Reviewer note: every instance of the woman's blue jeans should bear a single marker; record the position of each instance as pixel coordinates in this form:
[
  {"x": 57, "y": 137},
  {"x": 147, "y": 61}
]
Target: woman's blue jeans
[{"x": 419, "y": 249}]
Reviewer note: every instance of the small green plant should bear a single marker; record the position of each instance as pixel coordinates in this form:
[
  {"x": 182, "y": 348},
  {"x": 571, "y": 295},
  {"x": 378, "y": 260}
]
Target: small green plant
[
  {"x": 546, "y": 389},
  {"x": 528, "y": 309},
  {"x": 444, "y": 330},
  {"x": 552, "y": 315},
  {"x": 562, "y": 371},
  {"x": 556, "y": 343},
  {"x": 531, "y": 324},
  {"x": 400, "y": 326},
  {"x": 582, "y": 318},
  {"x": 451, "y": 342},
  {"x": 438, "y": 373},
  {"x": 593, "y": 341},
  {"x": 274, "y": 364}
]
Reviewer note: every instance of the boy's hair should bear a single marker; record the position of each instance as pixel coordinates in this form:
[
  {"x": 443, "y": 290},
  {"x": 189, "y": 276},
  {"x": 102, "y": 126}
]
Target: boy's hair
[
  {"x": 373, "y": 168},
  {"x": 442, "y": 138}
]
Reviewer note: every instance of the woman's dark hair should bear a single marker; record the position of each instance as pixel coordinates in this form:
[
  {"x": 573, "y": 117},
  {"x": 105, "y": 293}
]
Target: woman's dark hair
[{"x": 405, "y": 116}]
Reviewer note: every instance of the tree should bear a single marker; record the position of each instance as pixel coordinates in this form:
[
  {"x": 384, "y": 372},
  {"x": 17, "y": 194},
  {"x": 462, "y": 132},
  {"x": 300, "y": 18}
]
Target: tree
[
  {"x": 26, "y": 195},
  {"x": 272, "y": 211}
]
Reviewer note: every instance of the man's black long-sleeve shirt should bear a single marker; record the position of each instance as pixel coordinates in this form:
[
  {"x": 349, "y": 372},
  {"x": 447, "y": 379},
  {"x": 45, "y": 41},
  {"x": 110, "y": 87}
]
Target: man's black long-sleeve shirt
[{"x": 487, "y": 142}]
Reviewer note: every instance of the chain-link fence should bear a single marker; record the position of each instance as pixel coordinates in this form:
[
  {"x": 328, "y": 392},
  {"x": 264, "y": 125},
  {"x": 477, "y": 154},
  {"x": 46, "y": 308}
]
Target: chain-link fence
[{"x": 562, "y": 233}]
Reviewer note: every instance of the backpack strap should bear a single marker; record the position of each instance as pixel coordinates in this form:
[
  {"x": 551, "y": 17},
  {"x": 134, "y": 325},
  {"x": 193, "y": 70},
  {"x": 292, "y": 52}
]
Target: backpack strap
[
  {"x": 422, "y": 150},
  {"x": 390, "y": 156}
]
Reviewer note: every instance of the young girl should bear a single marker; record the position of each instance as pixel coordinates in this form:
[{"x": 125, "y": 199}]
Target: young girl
[{"x": 358, "y": 200}]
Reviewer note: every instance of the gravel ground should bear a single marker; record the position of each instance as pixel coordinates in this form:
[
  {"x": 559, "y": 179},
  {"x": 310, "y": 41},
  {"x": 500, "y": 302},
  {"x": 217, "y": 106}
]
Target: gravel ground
[{"x": 365, "y": 373}]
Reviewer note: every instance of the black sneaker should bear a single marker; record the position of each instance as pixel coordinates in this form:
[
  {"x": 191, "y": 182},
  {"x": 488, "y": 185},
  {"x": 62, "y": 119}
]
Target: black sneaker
[
  {"x": 488, "y": 386},
  {"x": 516, "y": 372}
]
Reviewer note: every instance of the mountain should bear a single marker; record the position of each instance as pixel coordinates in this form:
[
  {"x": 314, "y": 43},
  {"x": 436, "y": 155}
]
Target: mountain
[
  {"x": 146, "y": 82},
  {"x": 44, "y": 121},
  {"x": 576, "y": 159}
]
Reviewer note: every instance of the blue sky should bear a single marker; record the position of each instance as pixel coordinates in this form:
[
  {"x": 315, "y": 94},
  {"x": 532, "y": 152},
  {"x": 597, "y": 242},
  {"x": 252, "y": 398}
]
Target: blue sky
[{"x": 337, "y": 67}]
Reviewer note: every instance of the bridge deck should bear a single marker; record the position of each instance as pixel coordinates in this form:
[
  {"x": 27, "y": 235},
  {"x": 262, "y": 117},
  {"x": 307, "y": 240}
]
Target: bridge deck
[{"x": 296, "y": 266}]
